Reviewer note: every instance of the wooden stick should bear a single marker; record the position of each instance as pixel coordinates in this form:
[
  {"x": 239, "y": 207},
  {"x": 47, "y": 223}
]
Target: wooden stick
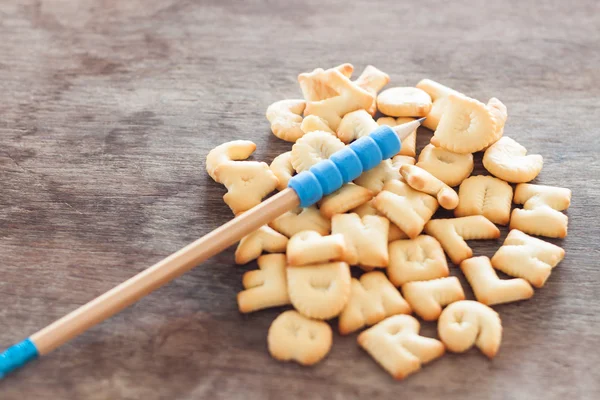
[{"x": 161, "y": 273}]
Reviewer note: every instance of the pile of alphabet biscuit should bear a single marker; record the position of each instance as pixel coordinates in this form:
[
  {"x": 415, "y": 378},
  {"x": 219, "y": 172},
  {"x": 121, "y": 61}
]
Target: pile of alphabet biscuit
[{"x": 382, "y": 224}]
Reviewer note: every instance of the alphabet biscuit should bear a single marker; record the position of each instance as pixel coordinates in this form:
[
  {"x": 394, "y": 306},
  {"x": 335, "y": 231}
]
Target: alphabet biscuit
[
  {"x": 426, "y": 298},
  {"x": 527, "y": 257},
  {"x": 265, "y": 287},
  {"x": 293, "y": 337},
  {"x": 396, "y": 345},
  {"x": 319, "y": 291},
  {"x": 418, "y": 259},
  {"x": 467, "y": 323},
  {"x": 452, "y": 233},
  {"x": 372, "y": 298},
  {"x": 488, "y": 288}
]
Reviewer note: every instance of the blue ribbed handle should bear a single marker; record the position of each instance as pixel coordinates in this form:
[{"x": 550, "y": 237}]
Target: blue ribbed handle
[
  {"x": 16, "y": 356},
  {"x": 345, "y": 165}
]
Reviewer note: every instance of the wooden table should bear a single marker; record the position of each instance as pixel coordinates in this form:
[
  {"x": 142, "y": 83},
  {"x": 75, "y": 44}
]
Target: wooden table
[{"x": 109, "y": 108}]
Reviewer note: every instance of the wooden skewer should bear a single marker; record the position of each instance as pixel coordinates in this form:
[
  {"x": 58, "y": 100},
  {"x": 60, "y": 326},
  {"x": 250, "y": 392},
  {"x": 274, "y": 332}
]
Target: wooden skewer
[
  {"x": 306, "y": 188},
  {"x": 130, "y": 291}
]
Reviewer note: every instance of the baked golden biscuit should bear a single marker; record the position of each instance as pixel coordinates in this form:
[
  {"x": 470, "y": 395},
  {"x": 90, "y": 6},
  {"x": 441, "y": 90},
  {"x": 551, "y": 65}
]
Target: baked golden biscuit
[
  {"x": 355, "y": 125},
  {"x": 285, "y": 117},
  {"x": 404, "y": 102},
  {"x": 301, "y": 219},
  {"x": 345, "y": 199},
  {"x": 226, "y": 153},
  {"x": 439, "y": 95},
  {"x": 527, "y": 257},
  {"x": 313, "y": 123},
  {"x": 366, "y": 238},
  {"x": 394, "y": 233},
  {"x": 468, "y": 126},
  {"x": 452, "y": 233},
  {"x": 396, "y": 345},
  {"x": 283, "y": 169},
  {"x": 400, "y": 160},
  {"x": 421, "y": 180},
  {"x": 509, "y": 161},
  {"x": 541, "y": 214},
  {"x": 247, "y": 182},
  {"x": 450, "y": 168},
  {"x": 372, "y": 80},
  {"x": 350, "y": 97},
  {"x": 533, "y": 196},
  {"x": 375, "y": 178},
  {"x": 315, "y": 85},
  {"x": 319, "y": 291},
  {"x": 488, "y": 288},
  {"x": 405, "y": 207},
  {"x": 409, "y": 144},
  {"x": 310, "y": 247},
  {"x": 262, "y": 239},
  {"x": 426, "y": 298},
  {"x": 467, "y": 323},
  {"x": 293, "y": 337},
  {"x": 487, "y": 196},
  {"x": 312, "y": 148},
  {"x": 418, "y": 259},
  {"x": 265, "y": 287},
  {"x": 372, "y": 298}
]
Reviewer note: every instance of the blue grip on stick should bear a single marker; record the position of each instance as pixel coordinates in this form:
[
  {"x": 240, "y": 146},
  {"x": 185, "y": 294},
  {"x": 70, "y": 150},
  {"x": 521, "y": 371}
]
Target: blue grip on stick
[
  {"x": 16, "y": 356},
  {"x": 345, "y": 165}
]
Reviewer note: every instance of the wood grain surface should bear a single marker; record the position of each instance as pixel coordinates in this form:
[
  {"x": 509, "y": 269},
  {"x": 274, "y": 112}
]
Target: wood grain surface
[{"x": 109, "y": 108}]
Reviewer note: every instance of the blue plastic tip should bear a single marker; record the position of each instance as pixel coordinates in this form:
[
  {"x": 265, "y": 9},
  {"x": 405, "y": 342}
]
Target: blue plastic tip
[{"x": 16, "y": 356}]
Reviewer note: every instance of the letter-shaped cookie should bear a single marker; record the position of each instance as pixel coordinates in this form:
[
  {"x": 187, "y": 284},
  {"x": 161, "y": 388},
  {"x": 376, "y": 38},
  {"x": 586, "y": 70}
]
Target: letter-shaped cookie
[
  {"x": 409, "y": 144},
  {"x": 319, "y": 291},
  {"x": 301, "y": 219},
  {"x": 262, "y": 239},
  {"x": 283, "y": 169},
  {"x": 421, "y": 180},
  {"x": 468, "y": 125},
  {"x": 265, "y": 287},
  {"x": 541, "y": 210},
  {"x": 315, "y": 85},
  {"x": 508, "y": 160},
  {"x": 366, "y": 238},
  {"x": 527, "y": 257},
  {"x": 426, "y": 298},
  {"x": 487, "y": 196},
  {"x": 350, "y": 97},
  {"x": 226, "y": 153},
  {"x": 394, "y": 233},
  {"x": 372, "y": 298},
  {"x": 372, "y": 80},
  {"x": 452, "y": 233},
  {"x": 292, "y": 336},
  {"x": 467, "y": 323},
  {"x": 345, "y": 199},
  {"x": 405, "y": 207},
  {"x": 450, "y": 168},
  {"x": 247, "y": 182},
  {"x": 356, "y": 124},
  {"x": 313, "y": 123},
  {"x": 396, "y": 345},
  {"x": 404, "y": 102},
  {"x": 310, "y": 247},
  {"x": 488, "y": 288},
  {"x": 375, "y": 178},
  {"x": 418, "y": 259},
  {"x": 313, "y": 148},
  {"x": 285, "y": 117},
  {"x": 439, "y": 95}
]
